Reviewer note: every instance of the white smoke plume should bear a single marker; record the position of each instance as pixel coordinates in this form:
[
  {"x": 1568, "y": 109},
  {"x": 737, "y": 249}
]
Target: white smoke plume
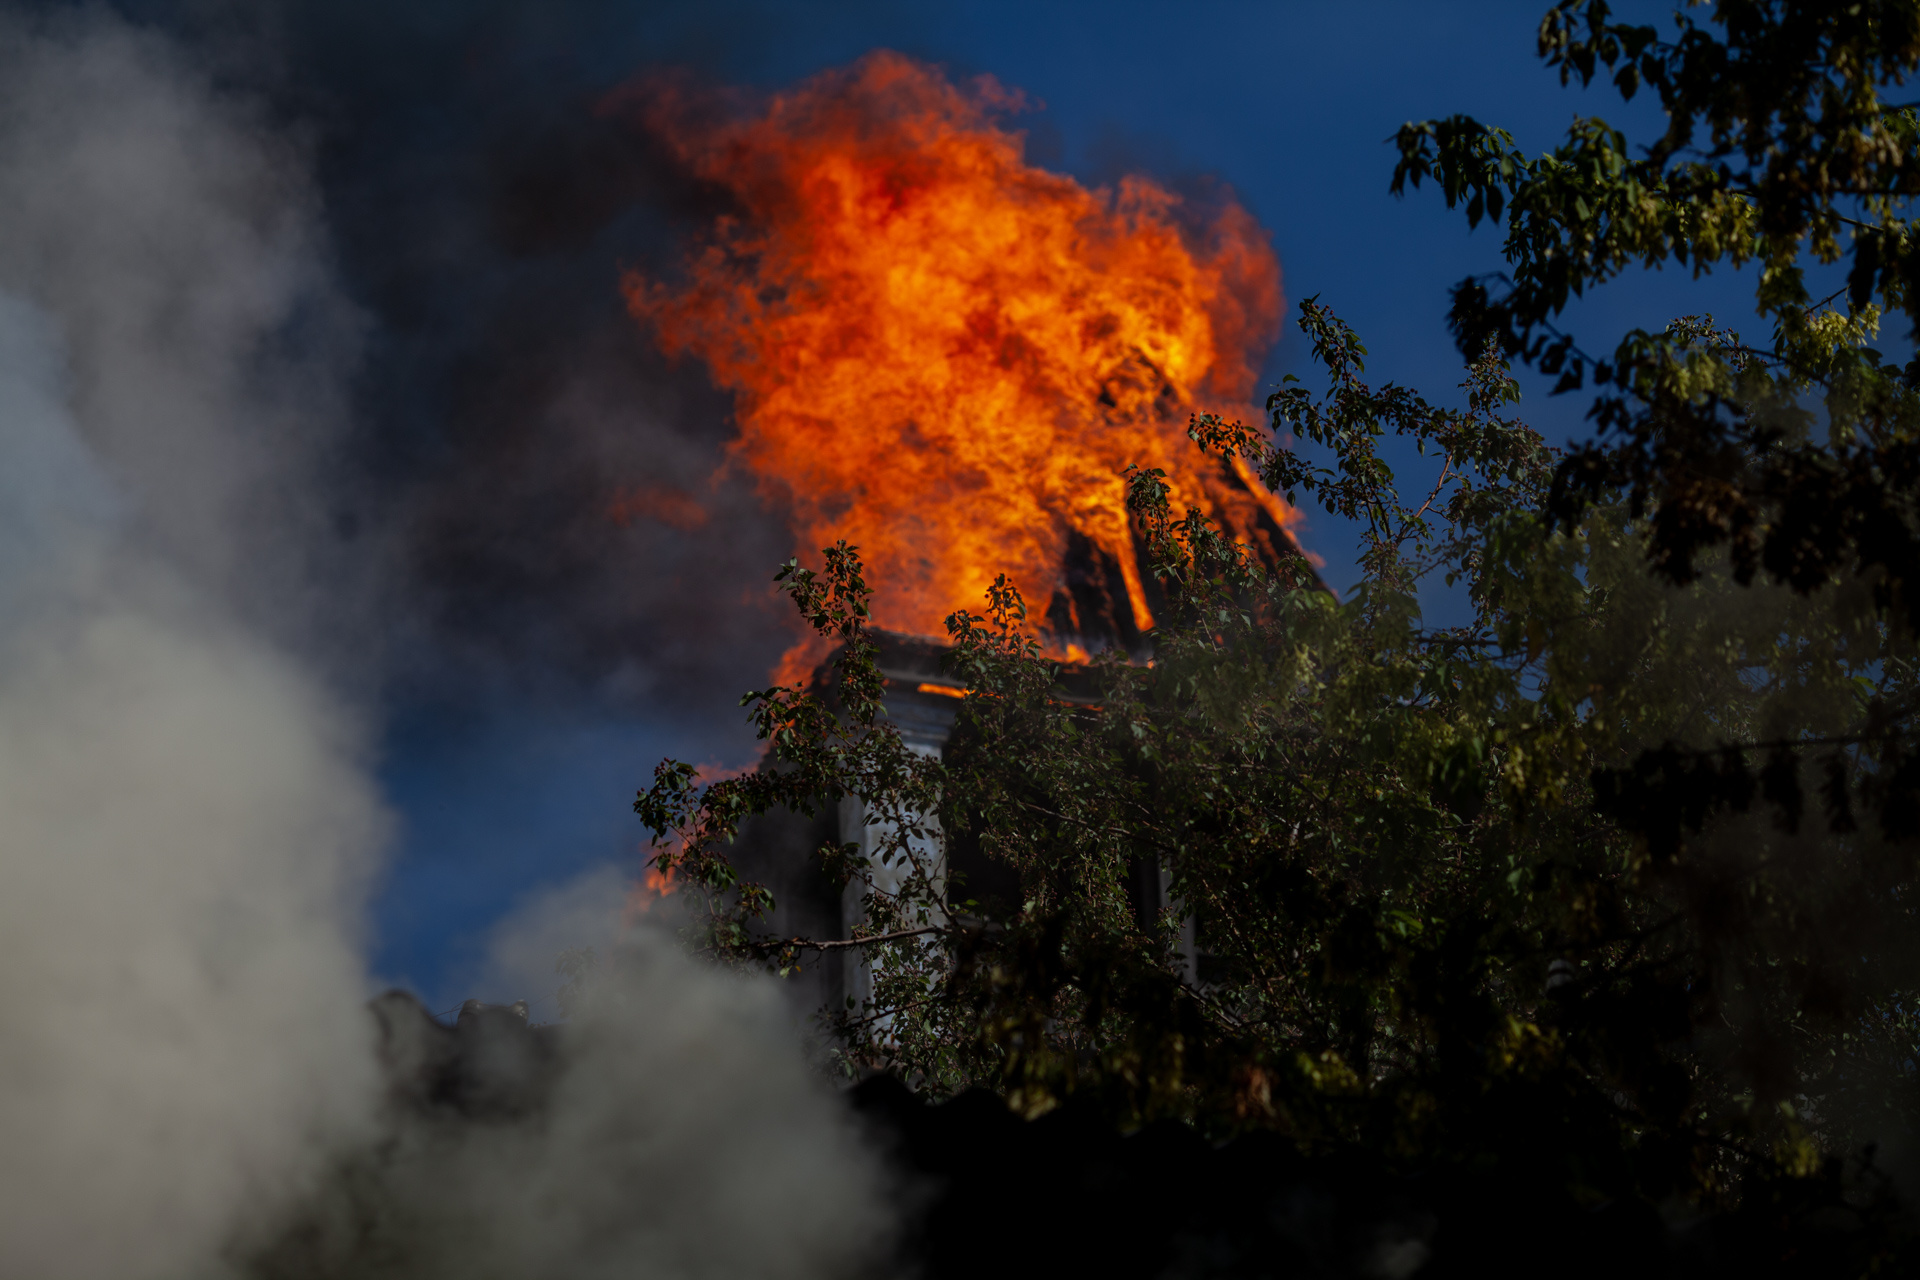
[{"x": 187, "y": 824}]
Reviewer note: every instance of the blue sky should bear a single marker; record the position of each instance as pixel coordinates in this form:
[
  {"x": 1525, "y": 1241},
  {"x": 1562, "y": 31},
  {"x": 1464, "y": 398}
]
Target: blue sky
[{"x": 1290, "y": 104}]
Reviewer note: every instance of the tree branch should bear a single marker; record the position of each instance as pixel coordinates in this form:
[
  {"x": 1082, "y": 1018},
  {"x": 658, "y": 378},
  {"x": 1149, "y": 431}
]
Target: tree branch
[{"x": 838, "y": 944}]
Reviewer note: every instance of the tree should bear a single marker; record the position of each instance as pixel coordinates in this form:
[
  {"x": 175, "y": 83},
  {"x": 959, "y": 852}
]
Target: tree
[
  {"x": 1721, "y": 443},
  {"x": 1787, "y": 468},
  {"x": 1614, "y": 883}
]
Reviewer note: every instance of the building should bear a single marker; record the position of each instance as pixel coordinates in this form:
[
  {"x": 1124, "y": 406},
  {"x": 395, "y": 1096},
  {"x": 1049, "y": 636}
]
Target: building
[{"x": 781, "y": 849}]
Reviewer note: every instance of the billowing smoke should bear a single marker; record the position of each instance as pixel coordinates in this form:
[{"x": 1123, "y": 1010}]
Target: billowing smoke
[
  {"x": 668, "y": 1129},
  {"x": 548, "y": 474},
  {"x": 182, "y": 832},
  {"x": 187, "y": 828},
  {"x": 190, "y": 576},
  {"x": 175, "y": 245}
]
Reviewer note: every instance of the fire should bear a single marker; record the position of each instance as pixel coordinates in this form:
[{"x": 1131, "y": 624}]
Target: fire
[
  {"x": 655, "y": 885},
  {"x": 946, "y": 355}
]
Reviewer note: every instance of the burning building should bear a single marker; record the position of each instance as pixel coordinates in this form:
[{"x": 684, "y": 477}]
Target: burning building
[{"x": 950, "y": 358}]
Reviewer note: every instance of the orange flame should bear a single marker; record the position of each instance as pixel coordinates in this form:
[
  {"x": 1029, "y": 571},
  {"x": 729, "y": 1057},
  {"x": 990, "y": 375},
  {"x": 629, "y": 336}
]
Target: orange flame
[
  {"x": 655, "y": 885},
  {"x": 947, "y": 356}
]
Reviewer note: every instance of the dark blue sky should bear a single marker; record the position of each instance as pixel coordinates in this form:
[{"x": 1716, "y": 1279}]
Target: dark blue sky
[{"x": 1290, "y": 104}]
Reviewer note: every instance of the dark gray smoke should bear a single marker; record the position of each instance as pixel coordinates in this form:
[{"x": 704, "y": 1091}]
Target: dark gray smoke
[{"x": 483, "y": 205}]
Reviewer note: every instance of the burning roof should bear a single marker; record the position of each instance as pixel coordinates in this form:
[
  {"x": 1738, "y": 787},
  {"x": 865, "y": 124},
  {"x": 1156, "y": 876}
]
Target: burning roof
[{"x": 948, "y": 356}]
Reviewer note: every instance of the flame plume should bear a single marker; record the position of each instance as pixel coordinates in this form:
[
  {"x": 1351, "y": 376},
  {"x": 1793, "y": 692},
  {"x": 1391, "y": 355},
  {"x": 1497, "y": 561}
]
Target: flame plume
[{"x": 947, "y": 356}]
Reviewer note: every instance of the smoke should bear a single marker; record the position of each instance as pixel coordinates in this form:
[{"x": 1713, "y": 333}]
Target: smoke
[
  {"x": 667, "y": 1129},
  {"x": 175, "y": 242},
  {"x": 539, "y": 456},
  {"x": 585, "y": 915},
  {"x": 688, "y": 1138},
  {"x": 562, "y": 562},
  {"x": 190, "y": 576},
  {"x": 184, "y": 829},
  {"x": 186, "y": 825}
]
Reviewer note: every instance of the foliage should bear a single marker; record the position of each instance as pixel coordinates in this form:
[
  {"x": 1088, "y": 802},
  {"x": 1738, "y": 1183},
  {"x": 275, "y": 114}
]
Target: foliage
[
  {"x": 1723, "y": 443},
  {"x": 1789, "y": 469},
  {"x": 817, "y": 752}
]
